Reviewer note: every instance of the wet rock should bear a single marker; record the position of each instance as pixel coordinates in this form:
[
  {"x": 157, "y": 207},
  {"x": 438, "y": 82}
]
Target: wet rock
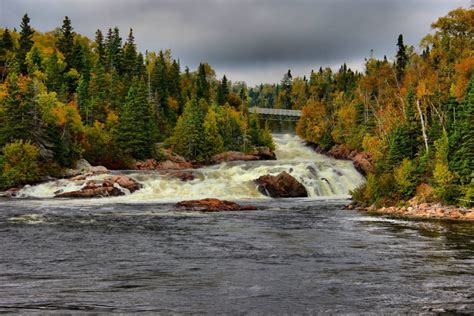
[
  {"x": 214, "y": 205},
  {"x": 79, "y": 178},
  {"x": 283, "y": 185},
  {"x": 82, "y": 166},
  {"x": 168, "y": 164},
  {"x": 125, "y": 182},
  {"x": 93, "y": 189},
  {"x": 12, "y": 192},
  {"x": 233, "y": 156},
  {"x": 112, "y": 186},
  {"x": 265, "y": 153},
  {"x": 149, "y": 164},
  {"x": 181, "y": 175}
]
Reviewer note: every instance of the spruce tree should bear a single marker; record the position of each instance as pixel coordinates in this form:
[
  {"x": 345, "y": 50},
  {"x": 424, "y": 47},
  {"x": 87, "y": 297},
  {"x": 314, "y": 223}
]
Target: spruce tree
[
  {"x": 134, "y": 135},
  {"x": 65, "y": 43},
  {"x": 286, "y": 84},
  {"x": 223, "y": 91},
  {"x": 203, "y": 87},
  {"x": 14, "y": 117},
  {"x": 401, "y": 58},
  {"x": 25, "y": 43},
  {"x": 100, "y": 47},
  {"x": 188, "y": 137},
  {"x": 130, "y": 57}
]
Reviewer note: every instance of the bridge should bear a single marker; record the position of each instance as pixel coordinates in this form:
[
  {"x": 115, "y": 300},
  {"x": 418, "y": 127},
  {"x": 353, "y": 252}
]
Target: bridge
[{"x": 276, "y": 114}]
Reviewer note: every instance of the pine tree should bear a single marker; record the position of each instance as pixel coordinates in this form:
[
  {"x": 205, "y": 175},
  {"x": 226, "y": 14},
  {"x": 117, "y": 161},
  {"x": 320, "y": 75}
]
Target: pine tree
[
  {"x": 25, "y": 44},
  {"x": 114, "y": 50},
  {"x": 65, "y": 43},
  {"x": 134, "y": 134},
  {"x": 402, "y": 58},
  {"x": 54, "y": 73},
  {"x": 7, "y": 41},
  {"x": 160, "y": 83}
]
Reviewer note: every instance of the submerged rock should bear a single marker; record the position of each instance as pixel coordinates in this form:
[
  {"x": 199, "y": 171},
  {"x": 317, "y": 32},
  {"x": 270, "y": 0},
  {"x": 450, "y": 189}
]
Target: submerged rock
[
  {"x": 112, "y": 186},
  {"x": 214, "y": 205},
  {"x": 283, "y": 185},
  {"x": 181, "y": 175}
]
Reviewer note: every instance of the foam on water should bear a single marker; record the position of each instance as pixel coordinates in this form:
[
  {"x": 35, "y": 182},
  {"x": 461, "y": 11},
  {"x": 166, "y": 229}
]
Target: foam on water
[{"x": 322, "y": 176}]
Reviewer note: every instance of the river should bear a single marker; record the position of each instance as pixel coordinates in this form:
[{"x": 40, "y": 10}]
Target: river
[{"x": 138, "y": 253}]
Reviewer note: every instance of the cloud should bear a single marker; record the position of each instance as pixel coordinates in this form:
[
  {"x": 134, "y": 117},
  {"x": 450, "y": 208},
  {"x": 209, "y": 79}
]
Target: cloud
[{"x": 249, "y": 38}]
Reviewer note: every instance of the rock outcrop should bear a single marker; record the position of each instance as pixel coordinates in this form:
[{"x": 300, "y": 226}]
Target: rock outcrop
[
  {"x": 112, "y": 186},
  {"x": 82, "y": 166},
  {"x": 181, "y": 175},
  {"x": 281, "y": 186},
  {"x": 260, "y": 153},
  {"x": 417, "y": 210},
  {"x": 213, "y": 205}
]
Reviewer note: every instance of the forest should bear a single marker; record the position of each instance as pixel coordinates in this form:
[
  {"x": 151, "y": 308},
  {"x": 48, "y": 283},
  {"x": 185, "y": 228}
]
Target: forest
[
  {"x": 413, "y": 116},
  {"x": 65, "y": 97}
]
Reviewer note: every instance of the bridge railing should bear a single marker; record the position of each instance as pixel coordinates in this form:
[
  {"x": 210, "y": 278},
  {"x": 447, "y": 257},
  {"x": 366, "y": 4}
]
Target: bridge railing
[{"x": 276, "y": 112}]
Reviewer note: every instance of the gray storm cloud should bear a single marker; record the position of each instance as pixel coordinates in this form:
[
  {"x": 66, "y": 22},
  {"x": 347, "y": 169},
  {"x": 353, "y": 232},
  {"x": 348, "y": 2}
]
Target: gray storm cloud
[{"x": 249, "y": 40}]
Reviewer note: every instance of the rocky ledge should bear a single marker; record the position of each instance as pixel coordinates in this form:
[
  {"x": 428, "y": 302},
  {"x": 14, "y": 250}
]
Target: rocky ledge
[
  {"x": 112, "y": 186},
  {"x": 361, "y": 160},
  {"x": 423, "y": 211},
  {"x": 282, "y": 185},
  {"x": 213, "y": 205}
]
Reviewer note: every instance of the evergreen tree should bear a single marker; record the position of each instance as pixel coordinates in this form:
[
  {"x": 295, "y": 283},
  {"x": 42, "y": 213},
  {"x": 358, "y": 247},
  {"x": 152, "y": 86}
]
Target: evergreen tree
[
  {"x": 130, "y": 57},
  {"x": 213, "y": 143},
  {"x": 463, "y": 158},
  {"x": 14, "y": 117},
  {"x": 223, "y": 91},
  {"x": 65, "y": 43},
  {"x": 7, "y": 41},
  {"x": 100, "y": 48},
  {"x": 285, "y": 95},
  {"x": 54, "y": 73},
  {"x": 203, "y": 87},
  {"x": 25, "y": 43},
  {"x": 114, "y": 50},
  {"x": 160, "y": 82},
  {"x": 134, "y": 135},
  {"x": 401, "y": 58},
  {"x": 188, "y": 136}
]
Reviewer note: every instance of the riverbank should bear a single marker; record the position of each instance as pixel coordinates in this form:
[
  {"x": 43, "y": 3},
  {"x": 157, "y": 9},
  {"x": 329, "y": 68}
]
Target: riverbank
[{"x": 416, "y": 210}]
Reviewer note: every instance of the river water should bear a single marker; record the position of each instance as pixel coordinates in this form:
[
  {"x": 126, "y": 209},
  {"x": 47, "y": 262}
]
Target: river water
[{"x": 138, "y": 253}]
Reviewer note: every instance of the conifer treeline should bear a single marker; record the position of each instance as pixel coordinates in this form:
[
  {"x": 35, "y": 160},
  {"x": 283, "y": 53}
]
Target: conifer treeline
[{"x": 70, "y": 97}]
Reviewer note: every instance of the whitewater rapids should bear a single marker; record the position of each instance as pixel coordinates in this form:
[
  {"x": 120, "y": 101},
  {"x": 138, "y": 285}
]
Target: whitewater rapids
[{"x": 322, "y": 176}]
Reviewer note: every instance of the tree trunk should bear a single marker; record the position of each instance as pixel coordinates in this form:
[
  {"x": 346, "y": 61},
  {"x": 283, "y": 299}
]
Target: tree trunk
[{"x": 423, "y": 128}]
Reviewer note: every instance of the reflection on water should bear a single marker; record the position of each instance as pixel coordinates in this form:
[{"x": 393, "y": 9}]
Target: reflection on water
[{"x": 291, "y": 256}]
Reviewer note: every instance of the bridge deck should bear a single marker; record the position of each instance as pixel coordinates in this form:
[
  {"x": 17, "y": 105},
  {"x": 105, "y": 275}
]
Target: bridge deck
[{"x": 276, "y": 112}]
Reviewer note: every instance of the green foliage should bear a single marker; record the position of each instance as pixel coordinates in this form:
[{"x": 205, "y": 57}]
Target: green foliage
[
  {"x": 406, "y": 178},
  {"x": 213, "y": 142},
  {"x": 231, "y": 127},
  {"x": 188, "y": 136},
  {"x": 133, "y": 134},
  {"x": 20, "y": 164},
  {"x": 445, "y": 187},
  {"x": 25, "y": 43}
]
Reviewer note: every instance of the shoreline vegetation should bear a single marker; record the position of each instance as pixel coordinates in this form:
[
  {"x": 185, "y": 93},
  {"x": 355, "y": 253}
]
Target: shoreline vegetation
[{"x": 406, "y": 123}]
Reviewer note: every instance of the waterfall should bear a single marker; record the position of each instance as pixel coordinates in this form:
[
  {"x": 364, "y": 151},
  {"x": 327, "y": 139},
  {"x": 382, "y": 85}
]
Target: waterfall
[{"x": 321, "y": 175}]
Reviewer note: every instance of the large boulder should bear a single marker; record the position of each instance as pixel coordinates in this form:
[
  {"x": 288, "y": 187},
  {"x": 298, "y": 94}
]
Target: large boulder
[
  {"x": 82, "y": 166},
  {"x": 125, "y": 182},
  {"x": 213, "y": 205},
  {"x": 281, "y": 186},
  {"x": 112, "y": 186}
]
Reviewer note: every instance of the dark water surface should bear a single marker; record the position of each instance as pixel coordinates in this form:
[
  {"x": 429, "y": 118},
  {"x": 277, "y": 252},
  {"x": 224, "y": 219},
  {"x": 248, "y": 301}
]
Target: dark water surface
[{"x": 299, "y": 256}]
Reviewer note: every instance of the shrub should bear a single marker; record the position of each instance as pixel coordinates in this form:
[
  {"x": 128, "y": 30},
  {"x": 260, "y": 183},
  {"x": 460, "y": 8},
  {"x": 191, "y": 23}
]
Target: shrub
[{"x": 20, "y": 163}]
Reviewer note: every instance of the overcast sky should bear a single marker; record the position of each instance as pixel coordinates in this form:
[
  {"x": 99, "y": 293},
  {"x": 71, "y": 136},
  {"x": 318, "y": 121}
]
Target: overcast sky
[{"x": 250, "y": 40}]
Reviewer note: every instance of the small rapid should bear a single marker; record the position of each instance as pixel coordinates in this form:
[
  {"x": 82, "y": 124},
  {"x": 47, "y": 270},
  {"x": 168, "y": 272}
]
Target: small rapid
[{"x": 321, "y": 175}]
